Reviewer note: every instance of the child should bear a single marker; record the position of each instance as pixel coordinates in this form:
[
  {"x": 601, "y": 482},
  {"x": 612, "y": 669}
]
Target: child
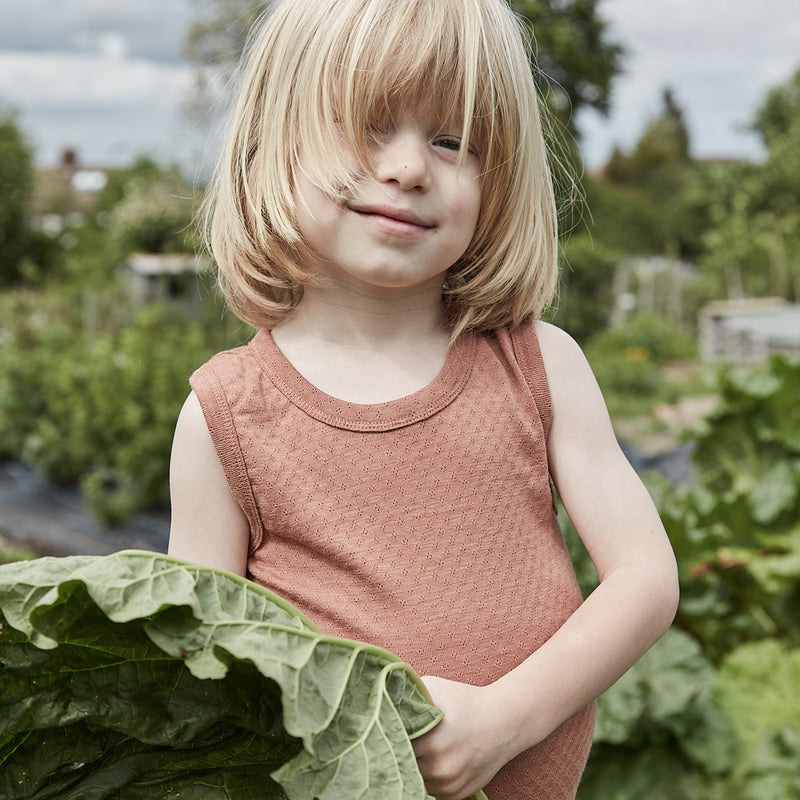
[{"x": 381, "y": 453}]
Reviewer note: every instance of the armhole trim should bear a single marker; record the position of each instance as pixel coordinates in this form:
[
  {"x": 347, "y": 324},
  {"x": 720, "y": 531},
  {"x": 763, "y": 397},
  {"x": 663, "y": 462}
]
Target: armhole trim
[
  {"x": 528, "y": 354},
  {"x": 219, "y": 419},
  {"x": 529, "y": 357}
]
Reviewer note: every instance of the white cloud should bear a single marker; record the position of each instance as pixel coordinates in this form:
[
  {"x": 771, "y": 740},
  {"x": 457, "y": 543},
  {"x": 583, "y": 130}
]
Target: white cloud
[
  {"x": 720, "y": 57},
  {"x": 109, "y": 44},
  {"x": 83, "y": 80},
  {"x": 109, "y": 78}
]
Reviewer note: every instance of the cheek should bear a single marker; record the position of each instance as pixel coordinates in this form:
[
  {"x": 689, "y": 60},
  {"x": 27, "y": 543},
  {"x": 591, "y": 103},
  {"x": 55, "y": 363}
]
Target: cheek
[
  {"x": 314, "y": 209},
  {"x": 469, "y": 203}
]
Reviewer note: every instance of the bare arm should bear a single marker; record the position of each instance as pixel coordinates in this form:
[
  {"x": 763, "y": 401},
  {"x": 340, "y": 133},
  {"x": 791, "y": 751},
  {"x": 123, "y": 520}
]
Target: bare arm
[
  {"x": 630, "y": 609},
  {"x": 620, "y": 527},
  {"x": 208, "y": 527}
]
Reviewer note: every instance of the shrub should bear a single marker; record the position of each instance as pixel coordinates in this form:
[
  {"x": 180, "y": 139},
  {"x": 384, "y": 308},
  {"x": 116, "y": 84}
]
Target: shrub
[{"x": 97, "y": 412}]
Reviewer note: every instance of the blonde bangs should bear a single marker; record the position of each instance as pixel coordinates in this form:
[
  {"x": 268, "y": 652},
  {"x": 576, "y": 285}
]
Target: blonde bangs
[
  {"x": 425, "y": 57},
  {"x": 321, "y": 74}
]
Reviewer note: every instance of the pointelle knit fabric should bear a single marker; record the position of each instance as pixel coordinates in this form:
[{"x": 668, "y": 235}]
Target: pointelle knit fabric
[{"x": 424, "y": 525}]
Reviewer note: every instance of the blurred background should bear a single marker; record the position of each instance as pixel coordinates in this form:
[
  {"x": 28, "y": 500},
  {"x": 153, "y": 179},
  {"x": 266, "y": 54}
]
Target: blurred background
[{"x": 681, "y": 280}]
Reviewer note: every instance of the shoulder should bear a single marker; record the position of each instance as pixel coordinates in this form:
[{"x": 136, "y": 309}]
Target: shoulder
[
  {"x": 192, "y": 431},
  {"x": 553, "y": 364},
  {"x": 564, "y": 361},
  {"x": 580, "y": 416},
  {"x": 207, "y": 524},
  {"x": 222, "y": 379},
  {"x": 556, "y": 344},
  {"x": 235, "y": 359},
  {"x": 553, "y": 342}
]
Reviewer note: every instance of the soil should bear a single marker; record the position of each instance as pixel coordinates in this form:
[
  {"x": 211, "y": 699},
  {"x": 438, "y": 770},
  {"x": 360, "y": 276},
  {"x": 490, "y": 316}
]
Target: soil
[{"x": 53, "y": 521}]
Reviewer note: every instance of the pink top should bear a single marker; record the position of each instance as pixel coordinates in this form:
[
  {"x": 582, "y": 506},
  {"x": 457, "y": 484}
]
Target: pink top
[{"x": 423, "y": 525}]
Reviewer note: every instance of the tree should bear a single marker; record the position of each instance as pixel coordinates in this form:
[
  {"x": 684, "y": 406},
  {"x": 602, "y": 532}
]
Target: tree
[
  {"x": 664, "y": 143},
  {"x": 665, "y": 140},
  {"x": 16, "y": 186},
  {"x": 659, "y": 172},
  {"x": 576, "y": 63},
  {"x": 780, "y": 111},
  {"x": 755, "y": 232},
  {"x": 154, "y": 214},
  {"x": 215, "y": 42}
]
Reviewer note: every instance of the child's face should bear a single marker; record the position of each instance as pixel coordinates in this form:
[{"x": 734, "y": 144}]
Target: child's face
[{"x": 408, "y": 220}]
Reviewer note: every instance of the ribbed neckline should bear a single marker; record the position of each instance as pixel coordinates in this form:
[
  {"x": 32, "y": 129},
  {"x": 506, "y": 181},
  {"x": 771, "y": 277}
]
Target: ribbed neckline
[{"x": 440, "y": 392}]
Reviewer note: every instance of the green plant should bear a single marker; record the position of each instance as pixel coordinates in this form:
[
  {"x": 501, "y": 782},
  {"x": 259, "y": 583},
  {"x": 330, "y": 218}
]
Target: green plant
[
  {"x": 660, "y": 730},
  {"x": 651, "y": 337},
  {"x": 12, "y": 552},
  {"x": 97, "y": 408},
  {"x": 628, "y": 363},
  {"x": 154, "y": 214},
  {"x": 736, "y": 530},
  {"x": 174, "y": 678},
  {"x": 759, "y": 688},
  {"x": 711, "y": 711}
]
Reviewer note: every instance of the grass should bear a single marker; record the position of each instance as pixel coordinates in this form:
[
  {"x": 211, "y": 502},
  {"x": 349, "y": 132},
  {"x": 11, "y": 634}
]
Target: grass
[{"x": 9, "y": 551}]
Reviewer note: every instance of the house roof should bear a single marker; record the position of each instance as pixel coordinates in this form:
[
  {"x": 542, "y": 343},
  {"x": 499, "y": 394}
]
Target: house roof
[
  {"x": 774, "y": 321},
  {"x": 781, "y": 326}
]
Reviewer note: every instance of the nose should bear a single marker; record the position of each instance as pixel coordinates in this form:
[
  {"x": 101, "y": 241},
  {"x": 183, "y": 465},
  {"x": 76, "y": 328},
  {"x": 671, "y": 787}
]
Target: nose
[{"x": 402, "y": 158}]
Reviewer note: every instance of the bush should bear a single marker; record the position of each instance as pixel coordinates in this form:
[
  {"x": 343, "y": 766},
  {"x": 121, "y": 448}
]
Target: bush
[
  {"x": 585, "y": 296},
  {"x": 645, "y": 338},
  {"x": 97, "y": 412},
  {"x": 627, "y": 362},
  {"x": 711, "y": 711},
  {"x": 154, "y": 215}
]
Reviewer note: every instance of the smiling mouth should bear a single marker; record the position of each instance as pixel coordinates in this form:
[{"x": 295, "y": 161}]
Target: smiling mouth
[{"x": 399, "y": 216}]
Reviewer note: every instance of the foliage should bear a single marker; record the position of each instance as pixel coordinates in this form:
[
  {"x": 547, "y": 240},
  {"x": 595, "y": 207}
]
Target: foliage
[
  {"x": 585, "y": 295},
  {"x": 660, "y": 731},
  {"x": 712, "y": 711},
  {"x": 736, "y": 531},
  {"x": 751, "y": 244},
  {"x": 663, "y": 144},
  {"x": 172, "y": 677},
  {"x": 621, "y": 219},
  {"x": 154, "y": 214},
  {"x": 575, "y": 60},
  {"x": 755, "y": 208},
  {"x": 16, "y": 185},
  {"x": 759, "y": 689},
  {"x": 12, "y": 552},
  {"x": 778, "y": 114},
  {"x": 215, "y": 42},
  {"x": 657, "y": 180},
  {"x": 144, "y": 169},
  {"x": 652, "y": 337},
  {"x": 627, "y": 362},
  {"x": 96, "y": 408}
]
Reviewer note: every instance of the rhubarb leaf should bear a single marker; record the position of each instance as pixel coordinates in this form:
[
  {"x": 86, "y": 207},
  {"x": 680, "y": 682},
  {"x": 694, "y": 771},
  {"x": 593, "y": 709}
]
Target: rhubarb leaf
[{"x": 139, "y": 676}]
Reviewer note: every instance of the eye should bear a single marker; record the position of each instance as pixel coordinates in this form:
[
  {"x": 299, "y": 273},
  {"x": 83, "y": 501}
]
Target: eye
[
  {"x": 449, "y": 143},
  {"x": 377, "y": 131}
]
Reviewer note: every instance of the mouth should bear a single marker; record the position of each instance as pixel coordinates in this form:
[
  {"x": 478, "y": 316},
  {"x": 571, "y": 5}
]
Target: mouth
[{"x": 389, "y": 215}]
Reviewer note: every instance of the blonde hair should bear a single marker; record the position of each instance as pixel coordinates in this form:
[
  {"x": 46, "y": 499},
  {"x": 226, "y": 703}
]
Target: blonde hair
[{"x": 317, "y": 70}]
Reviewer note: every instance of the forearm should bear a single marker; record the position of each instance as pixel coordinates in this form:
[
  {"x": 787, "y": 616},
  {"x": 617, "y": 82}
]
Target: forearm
[{"x": 618, "y": 622}]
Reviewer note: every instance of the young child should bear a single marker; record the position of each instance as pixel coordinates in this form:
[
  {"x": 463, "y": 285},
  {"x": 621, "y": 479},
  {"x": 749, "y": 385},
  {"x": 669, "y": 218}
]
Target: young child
[{"x": 381, "y": 453}]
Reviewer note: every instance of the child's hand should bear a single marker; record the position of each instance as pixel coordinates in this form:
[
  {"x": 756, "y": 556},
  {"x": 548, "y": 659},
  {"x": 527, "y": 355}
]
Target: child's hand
[{"x": 467, "y": 748}]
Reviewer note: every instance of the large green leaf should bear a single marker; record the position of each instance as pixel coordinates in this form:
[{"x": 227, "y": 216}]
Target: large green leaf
[
  {"x": 759, "y": 689},
  {"x": 660, "y": 733},
  {"x": 668, "y": 695},
  {"x": 138, "y": 676}
]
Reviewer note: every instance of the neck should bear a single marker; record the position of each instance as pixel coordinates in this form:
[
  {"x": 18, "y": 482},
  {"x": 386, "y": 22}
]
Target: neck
[
  {"x": 370, "y": 320},
  {"x": 364, "y": 348}
]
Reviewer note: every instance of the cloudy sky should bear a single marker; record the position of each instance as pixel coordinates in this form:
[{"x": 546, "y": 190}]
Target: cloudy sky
[{"x": 107, "y": 77}]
